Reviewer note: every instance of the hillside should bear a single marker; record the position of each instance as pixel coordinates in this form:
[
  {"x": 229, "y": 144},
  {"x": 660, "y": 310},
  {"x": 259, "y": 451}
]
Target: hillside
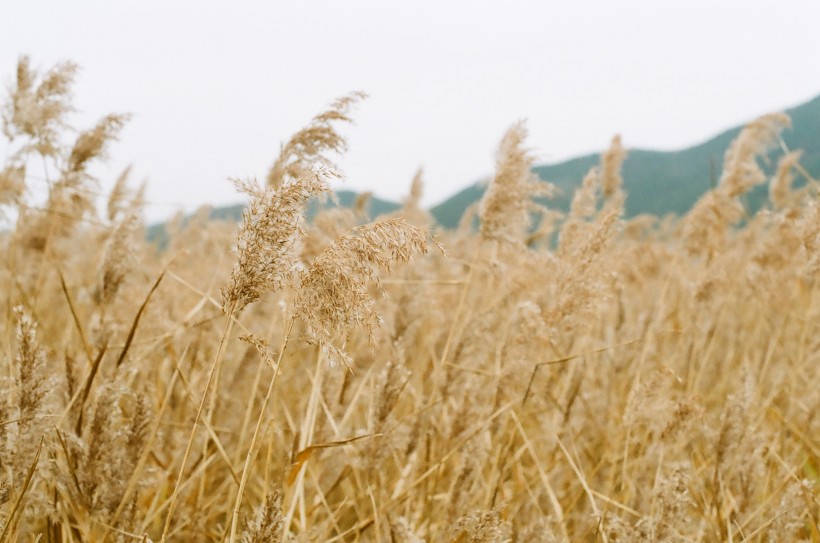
[
  {"x": 660, "y": 182},
  {"x": 346, "y": 198},
  {"x": 656, "y": 182},
  {"x": 156, "y": 233}
]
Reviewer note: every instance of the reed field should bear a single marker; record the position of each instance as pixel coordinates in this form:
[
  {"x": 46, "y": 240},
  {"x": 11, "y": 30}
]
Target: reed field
[{"x": 531, "y": 376}]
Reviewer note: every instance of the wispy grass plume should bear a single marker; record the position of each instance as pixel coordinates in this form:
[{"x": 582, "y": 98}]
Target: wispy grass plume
[
  {"x": 507, "y": 205},
  {"x": 308, "y": 148},
  {"x": 334, "y": 292},
  {"x": 266, "y": 245}
]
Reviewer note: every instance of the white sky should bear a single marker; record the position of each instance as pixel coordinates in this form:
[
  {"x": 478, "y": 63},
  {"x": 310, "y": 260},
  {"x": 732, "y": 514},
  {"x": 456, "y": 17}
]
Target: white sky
[{"x": 216, "y": 87}]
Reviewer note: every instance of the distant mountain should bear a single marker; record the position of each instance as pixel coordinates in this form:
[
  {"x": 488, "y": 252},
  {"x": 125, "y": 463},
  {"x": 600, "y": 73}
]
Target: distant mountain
[
  {"x": 345, "y": 198},
  {"x": 656, "y": 182},
  {"x": 156, "y": 233},
  {"x": 662, "y": 182}
]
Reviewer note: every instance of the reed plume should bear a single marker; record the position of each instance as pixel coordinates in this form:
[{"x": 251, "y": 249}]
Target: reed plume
[
  {"x": 93, "y": 143},
  {"x": 118, "y": 198},
  {"x": 120, "y": 253},
  {"x": 32, "y": 383},
  {"x": 268, "y": 237},
  {"x": 780, "y": 187},
  {"x": 268, "y": 525},
  {"x": 308, "y": 148},
  {"x": 413, "y": 200},
  {"x": 12, "y": 184},
  {"x": 507, "y": 205},
  {"x": 411, "y": 209},
  {"x": 611, "y": 163},
  {"x": 585, "y": 200},
  {"x": 741, "y": 170},
  {"x": 707, "y": 221},
  {"x": 334, "y": 290},
  {"x": 38, "y": 105}
]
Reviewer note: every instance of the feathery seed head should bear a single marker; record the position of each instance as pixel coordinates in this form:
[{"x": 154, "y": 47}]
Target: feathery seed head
[
  {"x": 33, "y": 385},
  {"x": 585, "y": 199},
  {"x": 119, "y": 255},
  {"x": 333, "y": 293},
  {"x": 30, "y": 360},
  {"x": 411, "y": 209},
  {"x": 715, "y": 211},
  {"x": 361, "y": 205},
  {"x": 12, "y": 184},
  {"x": 268, "y": 524},
  {"x": 307, "y": 148},
  {"x": 741, "y": 171},
  {"x": 780, "y": 188},
  {"x": 118, "y": 197},
  {"x": 611, "y": 163},
  {"x": 413, "y": 200},
  {"x": 268, "y": 236},
  {"x": 91, "y": 143},
  {"x": 38, "y": 113},
  {"x": 506, "y": 206}
]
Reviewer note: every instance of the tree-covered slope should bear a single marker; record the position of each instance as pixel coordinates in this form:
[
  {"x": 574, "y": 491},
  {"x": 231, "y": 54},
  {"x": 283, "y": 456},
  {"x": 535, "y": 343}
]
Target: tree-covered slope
[{"x": 662, "y": 182}]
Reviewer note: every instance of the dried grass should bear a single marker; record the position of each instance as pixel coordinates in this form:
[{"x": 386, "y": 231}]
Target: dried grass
[{"x": 647, "y": 381}]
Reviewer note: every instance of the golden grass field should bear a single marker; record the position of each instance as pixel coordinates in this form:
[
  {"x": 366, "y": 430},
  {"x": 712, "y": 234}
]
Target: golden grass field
[{"x": 540, "y": 378}]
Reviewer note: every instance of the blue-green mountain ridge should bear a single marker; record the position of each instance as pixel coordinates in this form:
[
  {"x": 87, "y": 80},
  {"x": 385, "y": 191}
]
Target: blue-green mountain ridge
[{"x": 656, "y": 182}]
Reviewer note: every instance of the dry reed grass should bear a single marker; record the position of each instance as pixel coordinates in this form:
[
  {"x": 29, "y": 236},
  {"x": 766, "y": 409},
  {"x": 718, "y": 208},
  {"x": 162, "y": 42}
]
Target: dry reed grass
[{"x": 649, "y": 380}]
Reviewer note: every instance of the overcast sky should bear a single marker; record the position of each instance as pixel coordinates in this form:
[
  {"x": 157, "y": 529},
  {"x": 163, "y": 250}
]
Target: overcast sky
[{"x": 216, "y": 87}]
